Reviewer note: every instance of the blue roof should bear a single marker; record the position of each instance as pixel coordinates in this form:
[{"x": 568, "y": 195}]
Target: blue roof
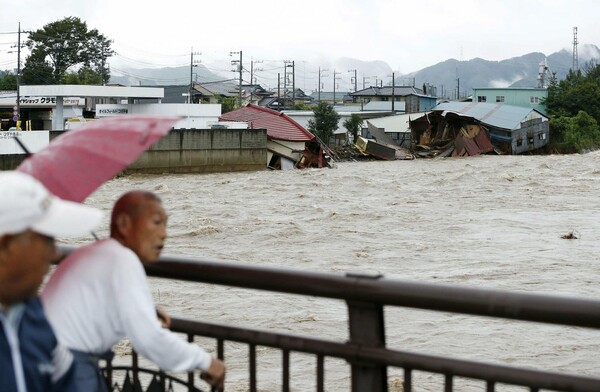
[{"x": 497, "y": 115}]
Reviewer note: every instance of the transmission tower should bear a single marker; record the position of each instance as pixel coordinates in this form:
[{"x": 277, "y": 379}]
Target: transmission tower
[{"x": 575, "y": 57}]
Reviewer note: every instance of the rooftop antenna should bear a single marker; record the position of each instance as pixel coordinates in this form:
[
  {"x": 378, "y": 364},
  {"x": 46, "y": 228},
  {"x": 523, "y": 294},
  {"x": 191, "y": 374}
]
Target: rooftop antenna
[{"x": 575, "y": 57}]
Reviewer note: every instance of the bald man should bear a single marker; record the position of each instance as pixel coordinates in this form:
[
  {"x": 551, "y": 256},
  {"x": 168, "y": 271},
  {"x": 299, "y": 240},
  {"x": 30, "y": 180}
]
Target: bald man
[{"x": 99, "y": 295}]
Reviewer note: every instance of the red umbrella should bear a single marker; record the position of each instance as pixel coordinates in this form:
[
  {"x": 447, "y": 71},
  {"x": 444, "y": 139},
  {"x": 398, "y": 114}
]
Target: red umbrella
[{"x": 77, "y": 162}]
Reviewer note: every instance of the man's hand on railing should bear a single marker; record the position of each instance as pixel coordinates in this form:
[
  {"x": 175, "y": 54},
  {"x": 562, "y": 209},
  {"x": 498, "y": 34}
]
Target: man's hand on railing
[
  {"x": 163, "y": 317},
  {"x": 215, "y": 374}
]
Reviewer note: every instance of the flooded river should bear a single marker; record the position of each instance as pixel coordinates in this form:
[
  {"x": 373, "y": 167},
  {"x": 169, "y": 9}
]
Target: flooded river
[{"x": 490, "y": 222}]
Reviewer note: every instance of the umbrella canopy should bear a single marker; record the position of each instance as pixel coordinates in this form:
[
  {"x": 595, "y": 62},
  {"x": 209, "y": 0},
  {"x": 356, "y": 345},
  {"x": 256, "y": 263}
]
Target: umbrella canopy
[{"x": 76, "y": 163}]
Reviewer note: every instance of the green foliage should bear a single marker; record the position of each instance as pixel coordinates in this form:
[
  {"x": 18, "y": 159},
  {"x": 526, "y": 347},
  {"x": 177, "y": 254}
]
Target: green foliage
[
  {"x": 228, "y": 104},
  {"x": 574, "y": 134},
  {"x": 8, "y": 81},
  {"x": 583, "y": 132},
  {"x": 353, "y": 125},
  {"x": 302, "y": 106},
  {"x": 573, "y": 105},
  {"x": 84, "y": 75},
  {"x": 324, "y": 123},
  {"x": 65, "y": 47},
  {"x": 577, "y": 92}
]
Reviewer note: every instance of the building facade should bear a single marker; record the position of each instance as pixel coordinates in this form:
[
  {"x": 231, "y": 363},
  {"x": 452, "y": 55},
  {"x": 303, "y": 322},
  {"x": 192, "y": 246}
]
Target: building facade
[{"x": 532, "y": 98}]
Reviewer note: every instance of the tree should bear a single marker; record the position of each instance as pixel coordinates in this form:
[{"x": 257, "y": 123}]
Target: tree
[
  {"x": 37, "y": 70},
  {"x": 582, "y": 132},
  {"x": 8, "y": 81},
  {"x": 67, "y": 46},
  {"x": 325, "y": 122},
  {"x": 578, "y": 91},
  {"x": 84, "y": 75},
  {"x": 573, "y": 105},
  {"x": 228, "y": 104},
  {"x": 353, "y": 125}
]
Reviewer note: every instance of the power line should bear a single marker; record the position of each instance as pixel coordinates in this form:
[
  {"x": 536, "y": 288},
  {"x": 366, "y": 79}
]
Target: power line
[{"x": 135, "y": 61}]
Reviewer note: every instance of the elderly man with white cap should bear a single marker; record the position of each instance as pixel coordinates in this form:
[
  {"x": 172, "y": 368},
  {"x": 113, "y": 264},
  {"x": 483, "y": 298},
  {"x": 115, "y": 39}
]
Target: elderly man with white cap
[{"x": 31, "y": 359}]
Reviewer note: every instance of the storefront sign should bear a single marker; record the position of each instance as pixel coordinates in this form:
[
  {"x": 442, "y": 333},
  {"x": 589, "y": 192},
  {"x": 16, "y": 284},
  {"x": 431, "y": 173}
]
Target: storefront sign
[{"x": 109, "y": 110}]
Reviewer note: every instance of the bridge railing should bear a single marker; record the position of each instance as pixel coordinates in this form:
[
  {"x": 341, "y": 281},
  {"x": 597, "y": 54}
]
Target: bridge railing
[{"x": 365, "y": 350}]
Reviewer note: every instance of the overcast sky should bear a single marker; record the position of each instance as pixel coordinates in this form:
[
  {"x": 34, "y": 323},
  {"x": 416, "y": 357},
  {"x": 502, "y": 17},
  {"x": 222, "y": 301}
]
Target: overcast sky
[{"x": 408, "y": 34}]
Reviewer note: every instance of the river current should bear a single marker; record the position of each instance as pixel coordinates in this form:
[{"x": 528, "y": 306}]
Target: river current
[{"x": 491, "y": 222}]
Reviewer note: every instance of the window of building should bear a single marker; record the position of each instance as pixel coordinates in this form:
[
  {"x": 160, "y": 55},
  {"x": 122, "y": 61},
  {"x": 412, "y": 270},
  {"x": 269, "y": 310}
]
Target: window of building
[
  {"x": 481, "y": 98},
  {"x": 499, "y": 98},
  {"x": 519, "y": 142},
  {"x": 534, "y": 99},
  {"x": 542, "y": 136}
]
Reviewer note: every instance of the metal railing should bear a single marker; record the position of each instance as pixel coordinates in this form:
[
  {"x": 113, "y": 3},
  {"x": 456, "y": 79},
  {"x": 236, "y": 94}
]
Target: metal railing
[{"x": 365, "y": 350}]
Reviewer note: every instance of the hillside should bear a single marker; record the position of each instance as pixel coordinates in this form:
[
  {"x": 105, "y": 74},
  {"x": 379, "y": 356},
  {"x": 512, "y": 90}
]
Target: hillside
[
  {"x": 519, "y": 71},
  {"x": 446, "y": 76},
  {"x": 163, "y": 76}
]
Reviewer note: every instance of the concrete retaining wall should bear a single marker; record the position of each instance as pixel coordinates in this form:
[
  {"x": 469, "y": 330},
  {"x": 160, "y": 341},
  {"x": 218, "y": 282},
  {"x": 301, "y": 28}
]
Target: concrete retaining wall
[
  {"x": 205, "y": 151},
  {"x": 193, "y": 151}
]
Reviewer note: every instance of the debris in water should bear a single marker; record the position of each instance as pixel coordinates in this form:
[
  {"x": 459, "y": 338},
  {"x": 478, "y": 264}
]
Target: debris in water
[{"x": 571, "y": 235}]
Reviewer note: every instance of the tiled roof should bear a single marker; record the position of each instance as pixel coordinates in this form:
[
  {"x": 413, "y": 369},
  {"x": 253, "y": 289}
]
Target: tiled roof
[
  {"x": 328, "y": 95},
  {"x": 386, "y": 91},
  {"x": 278, "y": 125},
  {"x": 224, "y": 88}
]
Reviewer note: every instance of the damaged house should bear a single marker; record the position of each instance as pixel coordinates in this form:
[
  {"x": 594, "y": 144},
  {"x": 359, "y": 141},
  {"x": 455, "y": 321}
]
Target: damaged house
[
  {"x": 472, "y": 128},
  {"x": 289, "y": 145}
]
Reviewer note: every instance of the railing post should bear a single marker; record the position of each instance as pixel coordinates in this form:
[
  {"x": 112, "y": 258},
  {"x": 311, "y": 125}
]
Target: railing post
[{"x": 367, "y": 328}]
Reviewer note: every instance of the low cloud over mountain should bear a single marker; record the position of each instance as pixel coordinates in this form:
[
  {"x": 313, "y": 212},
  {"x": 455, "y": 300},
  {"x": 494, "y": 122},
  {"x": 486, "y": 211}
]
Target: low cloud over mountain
[{"x": 447, "y": 76}]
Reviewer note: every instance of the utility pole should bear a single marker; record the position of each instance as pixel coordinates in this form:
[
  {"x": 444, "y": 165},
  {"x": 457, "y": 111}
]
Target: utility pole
[
  {"x": 334, "y": 73},
  {"x": 240, "y": 68},
  {"x": 457, "y": 89},
  {"x": 393, "y": 87},
  {"x": 319, "y": 87},
  {"x": 290, "y": 64},
  {"x": 354, "y": 79},
  {"x": 284, "y": 82},
  {"x": 17, "y": 113},
  {"x": 278, "y": 87},
  {"x": 320, "y": 73},
  {"x": 252, "y": 62},
  {"x": 252, "y": 77},
  {"x": 365, "y": 78},
  {"x": 575, "y": 56},
  {"x": 334, "y": 83},
  {"x": 192, "y": 65}
]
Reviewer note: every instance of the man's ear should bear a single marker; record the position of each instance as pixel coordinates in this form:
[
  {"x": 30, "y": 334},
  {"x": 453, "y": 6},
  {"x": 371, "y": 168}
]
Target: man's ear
[
  {"x": 5, "y": 239},
  {"x": 123, "y": 224},
  {"x": 3, "y": 242}
]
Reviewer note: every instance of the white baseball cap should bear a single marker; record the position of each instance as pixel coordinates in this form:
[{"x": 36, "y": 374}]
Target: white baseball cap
[{"x": 26, "y": 204}]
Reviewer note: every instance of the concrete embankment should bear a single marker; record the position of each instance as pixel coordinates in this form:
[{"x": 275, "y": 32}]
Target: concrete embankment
[{"x": 192, "y": 151}]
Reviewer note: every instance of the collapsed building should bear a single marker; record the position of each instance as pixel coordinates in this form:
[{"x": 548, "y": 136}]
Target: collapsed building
[{"x": 473, "y": 128}]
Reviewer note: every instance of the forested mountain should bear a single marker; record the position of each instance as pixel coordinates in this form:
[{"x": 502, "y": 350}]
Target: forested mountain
[
  {"x": 447, "y": 76},
  {"x": 520, "y": 71}
]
